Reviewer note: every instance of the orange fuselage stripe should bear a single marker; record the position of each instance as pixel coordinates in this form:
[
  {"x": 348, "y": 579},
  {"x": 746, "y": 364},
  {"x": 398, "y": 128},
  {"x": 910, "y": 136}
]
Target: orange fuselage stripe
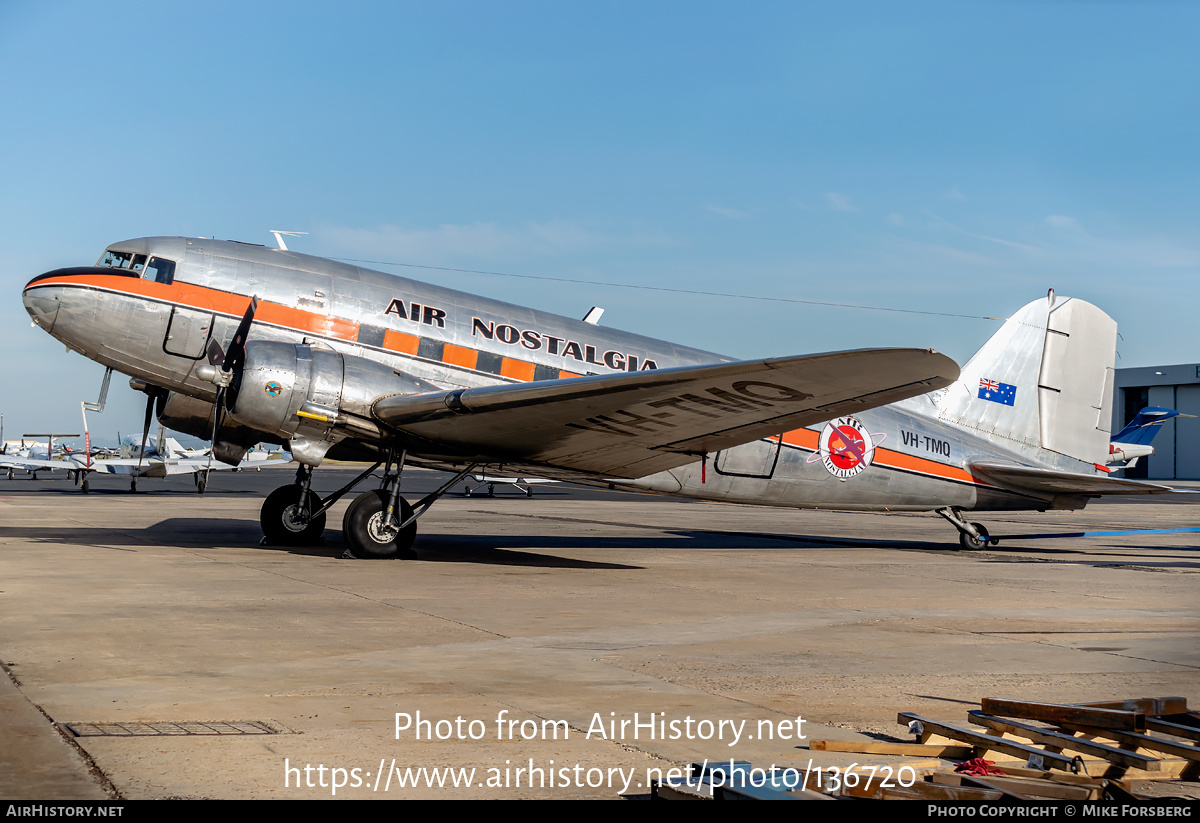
[{"x": 808, "y": 439}]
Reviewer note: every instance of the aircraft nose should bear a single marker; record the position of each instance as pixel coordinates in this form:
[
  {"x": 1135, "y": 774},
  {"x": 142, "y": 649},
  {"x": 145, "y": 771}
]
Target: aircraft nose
[{"x": 41, "y": 303}]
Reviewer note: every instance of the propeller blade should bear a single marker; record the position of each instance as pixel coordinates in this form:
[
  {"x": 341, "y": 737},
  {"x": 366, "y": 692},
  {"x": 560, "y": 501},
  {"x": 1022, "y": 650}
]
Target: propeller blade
[
  {"x": 216, "y": 354},
  {"x": 146, "y": 428},
  {"x": 236, "y": 356}
]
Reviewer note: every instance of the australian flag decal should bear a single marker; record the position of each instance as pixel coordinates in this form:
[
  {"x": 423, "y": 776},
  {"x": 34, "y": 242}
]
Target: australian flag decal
[{"x": 1005, "y": 393}]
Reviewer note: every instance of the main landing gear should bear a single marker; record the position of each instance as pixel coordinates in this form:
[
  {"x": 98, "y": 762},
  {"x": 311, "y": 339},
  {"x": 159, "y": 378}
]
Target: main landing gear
[
  {"x": 971, "y": 536},
  {"x": 379, "y": 524}
]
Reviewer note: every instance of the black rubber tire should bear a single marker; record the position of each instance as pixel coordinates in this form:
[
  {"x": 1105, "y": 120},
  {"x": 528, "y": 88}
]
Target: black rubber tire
[
  {"x": 277, "y": 528},
  {"x": 364, "y": 542},
  {"x": 84, "y": 486},
  {"x": 974, "y": 543}
]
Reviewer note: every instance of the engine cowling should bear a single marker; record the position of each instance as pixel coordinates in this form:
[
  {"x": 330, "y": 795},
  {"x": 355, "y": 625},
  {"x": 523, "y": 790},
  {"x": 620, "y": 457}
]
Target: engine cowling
[{"x": 312, "y": 397}]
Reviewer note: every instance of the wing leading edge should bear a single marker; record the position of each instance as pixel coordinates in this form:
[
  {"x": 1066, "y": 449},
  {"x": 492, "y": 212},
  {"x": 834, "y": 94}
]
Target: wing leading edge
[{"x": 631, "y": 425}]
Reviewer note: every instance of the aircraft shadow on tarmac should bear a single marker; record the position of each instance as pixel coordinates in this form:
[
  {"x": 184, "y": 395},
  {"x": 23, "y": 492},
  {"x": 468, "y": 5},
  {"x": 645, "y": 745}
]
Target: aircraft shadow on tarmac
[{"x": 526, "y": 550}]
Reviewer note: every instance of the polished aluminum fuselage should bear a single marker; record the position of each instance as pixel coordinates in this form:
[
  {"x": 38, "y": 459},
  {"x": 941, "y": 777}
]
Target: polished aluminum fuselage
[{"x": 162, "y": 333}]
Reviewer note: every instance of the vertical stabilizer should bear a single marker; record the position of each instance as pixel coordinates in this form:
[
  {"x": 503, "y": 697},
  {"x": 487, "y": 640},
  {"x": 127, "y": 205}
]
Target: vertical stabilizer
[{"x": 1044, "y": 380}]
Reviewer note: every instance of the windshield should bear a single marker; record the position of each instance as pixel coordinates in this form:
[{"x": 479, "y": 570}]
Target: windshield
[{"x": 122, "y": 260}]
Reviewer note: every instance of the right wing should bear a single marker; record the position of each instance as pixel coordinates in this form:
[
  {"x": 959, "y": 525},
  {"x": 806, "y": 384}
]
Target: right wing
[{"x": 635, "y": 424}]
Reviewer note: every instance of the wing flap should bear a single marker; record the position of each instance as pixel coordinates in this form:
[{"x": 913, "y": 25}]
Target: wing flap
[{"x": 631, "y": 425}]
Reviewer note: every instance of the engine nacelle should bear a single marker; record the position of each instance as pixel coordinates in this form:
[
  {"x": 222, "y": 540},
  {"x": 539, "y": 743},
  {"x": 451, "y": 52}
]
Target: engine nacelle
[
  {"x": 195, "y": 417},
  {"x": 312, "y": 397},
  {"x": 187, "y": 414}
]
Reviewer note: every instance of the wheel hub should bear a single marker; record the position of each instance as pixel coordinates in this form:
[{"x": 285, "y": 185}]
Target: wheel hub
[
  {"x": 292, "y": 521},
  {"x": 381, "y": 528}
]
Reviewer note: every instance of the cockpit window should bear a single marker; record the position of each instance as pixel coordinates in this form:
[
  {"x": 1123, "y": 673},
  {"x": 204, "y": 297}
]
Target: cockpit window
[
  {"x": 160, "y": 270},
  {"x": 123, "y": 260}
]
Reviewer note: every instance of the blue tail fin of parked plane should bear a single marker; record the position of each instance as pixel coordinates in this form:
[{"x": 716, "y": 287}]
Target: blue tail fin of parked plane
[{"x": 1145, "y": 425}]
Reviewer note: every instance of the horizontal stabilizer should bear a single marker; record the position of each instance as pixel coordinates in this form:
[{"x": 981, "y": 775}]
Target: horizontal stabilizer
[
  {"x": 1049, "y": 481},
  {"x": 634, "y": 424}
]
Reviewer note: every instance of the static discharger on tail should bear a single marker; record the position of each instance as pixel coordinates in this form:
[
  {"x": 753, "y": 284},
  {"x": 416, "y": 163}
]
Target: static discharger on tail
[{"x": 240, "y": 343}]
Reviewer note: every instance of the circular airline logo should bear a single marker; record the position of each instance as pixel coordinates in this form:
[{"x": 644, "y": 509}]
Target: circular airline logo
[
  {"x": 845, "y": 447},
  {"x": 273, "y": 389}
]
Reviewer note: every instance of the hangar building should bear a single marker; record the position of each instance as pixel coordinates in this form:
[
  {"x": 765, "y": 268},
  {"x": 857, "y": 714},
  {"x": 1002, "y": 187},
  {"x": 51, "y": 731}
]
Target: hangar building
[{"x": 1177, "y": 447}]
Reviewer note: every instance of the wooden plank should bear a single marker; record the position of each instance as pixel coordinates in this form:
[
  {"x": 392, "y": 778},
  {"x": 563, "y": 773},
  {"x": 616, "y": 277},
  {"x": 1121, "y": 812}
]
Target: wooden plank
[
  {"x": 1155, "y": 724},
  {"x": 1029, "y": 789},
  {"x": 1061, "y": 712},
  {"x": 908, "y": 749},
  {"x": 1185, "y": 718},
  {"x": 1144, "y": 705},
  {"x": 1139, "y": 741},
  {"x": 986, "y": 742},
  {"x": 955, "y": 779},
  {"x": 1047, "y": 737},
  {"x": 922, "y": 791},
  {"x": 1061, "y": 777}
]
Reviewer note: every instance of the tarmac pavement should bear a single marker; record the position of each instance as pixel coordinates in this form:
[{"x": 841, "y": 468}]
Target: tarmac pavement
[{"x": 529, "y": 629}]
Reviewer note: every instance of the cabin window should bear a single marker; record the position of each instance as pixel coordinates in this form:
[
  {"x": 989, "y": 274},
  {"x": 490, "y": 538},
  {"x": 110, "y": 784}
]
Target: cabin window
[{"x": 160, "y": 270}]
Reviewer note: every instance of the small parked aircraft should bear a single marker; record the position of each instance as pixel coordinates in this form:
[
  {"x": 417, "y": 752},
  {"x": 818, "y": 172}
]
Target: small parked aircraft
[
  {"x": 239, "y": 343},
  {"x": 167, "y": 458},
  {"x": 164, "y": 458},
  {"x": 1133, "y": 441}
]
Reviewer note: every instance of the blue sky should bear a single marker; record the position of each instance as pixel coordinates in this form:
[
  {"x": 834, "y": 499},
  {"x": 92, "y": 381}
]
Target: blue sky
[{"x": 946, "y": 157}]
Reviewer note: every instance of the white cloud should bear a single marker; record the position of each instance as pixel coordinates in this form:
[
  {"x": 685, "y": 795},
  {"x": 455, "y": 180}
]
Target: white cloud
[
  {"x": 1061, "y": 222},
  {"x": 724, "y": 212},
  {"x": 839, "y": 202},
  {"x": 894, "y": 219}
]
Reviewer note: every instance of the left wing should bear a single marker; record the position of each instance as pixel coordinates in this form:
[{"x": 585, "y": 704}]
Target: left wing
[
  {"x": 632, "y": 425},
  {"x": 68, "y": 462}
]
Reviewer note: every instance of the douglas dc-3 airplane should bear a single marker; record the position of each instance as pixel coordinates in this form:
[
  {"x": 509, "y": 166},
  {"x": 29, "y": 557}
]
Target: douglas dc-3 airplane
[{"x": 241, "y": 343}]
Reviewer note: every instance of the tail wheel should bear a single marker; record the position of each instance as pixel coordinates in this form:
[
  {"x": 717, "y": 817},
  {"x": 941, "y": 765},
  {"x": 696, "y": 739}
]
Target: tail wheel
[
  {"x": 369, "y": 537},
  {"x": 280, "y": 522},
  {"x": 974, "y": 543}
]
